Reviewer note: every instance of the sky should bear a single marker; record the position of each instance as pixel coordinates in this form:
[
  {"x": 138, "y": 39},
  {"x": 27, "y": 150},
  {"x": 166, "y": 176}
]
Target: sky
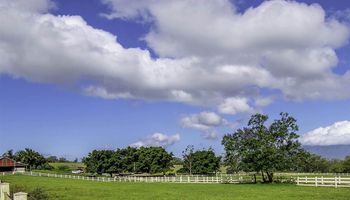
[{"x": 79, "y": 75}]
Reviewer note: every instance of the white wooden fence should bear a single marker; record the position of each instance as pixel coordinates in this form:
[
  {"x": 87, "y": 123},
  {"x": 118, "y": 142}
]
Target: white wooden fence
[
  {"x": 150, "y": 179},
  {"x": 336, "y": 181}
]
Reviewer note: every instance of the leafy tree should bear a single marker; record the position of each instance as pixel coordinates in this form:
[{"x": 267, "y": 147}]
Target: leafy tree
[
  {"x": 264, "y": 149},
  {"x": 177, "y": 161},
  {"x": 52, "y": 159},
  {"x": 153, "y": 160},
  {"x": 337, "y": 166},
  {"x": 9, "y": 154},
  {"x": 346, "y": 164},
  {"x": 201, "y": 162},
  {"x": 129, "y": 157},
  {"x": 187, "y": 156},
  {"x": 99, "y": 161},
  {"x": 33, "y": 159},
  {"x": 62, "y": 159}
]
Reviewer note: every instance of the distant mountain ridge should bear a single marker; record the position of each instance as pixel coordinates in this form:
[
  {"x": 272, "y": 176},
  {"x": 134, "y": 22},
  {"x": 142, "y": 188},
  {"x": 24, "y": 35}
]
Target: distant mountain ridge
[{"x": 330, "y": 152}]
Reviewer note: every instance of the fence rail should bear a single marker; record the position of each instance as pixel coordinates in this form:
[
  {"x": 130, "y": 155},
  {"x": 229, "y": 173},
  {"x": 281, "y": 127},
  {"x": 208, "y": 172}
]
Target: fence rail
[
  {"x": 322, "y": 181},
  {"x": 151, "y": 179},
  {"x": 336, "y": 181}
]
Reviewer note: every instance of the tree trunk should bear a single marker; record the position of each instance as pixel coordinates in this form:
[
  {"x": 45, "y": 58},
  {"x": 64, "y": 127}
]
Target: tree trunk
[
  {"x": 270, "y": 176},
  {"x": 263, "y": 176},
  {"x": 254, "y": 178},
  {"x": 190, "y": 167}
]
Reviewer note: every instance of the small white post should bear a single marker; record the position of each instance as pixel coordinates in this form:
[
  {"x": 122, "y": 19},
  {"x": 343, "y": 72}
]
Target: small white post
[
  {"x": 322, "y": 182},
  {"x": 4, "y": 189},
  {"x": 20, "y": 196},
  {"x": 335, "y": 182},
  {"x": 298, "y": 180},
  {"x": 316, "y": 181}
]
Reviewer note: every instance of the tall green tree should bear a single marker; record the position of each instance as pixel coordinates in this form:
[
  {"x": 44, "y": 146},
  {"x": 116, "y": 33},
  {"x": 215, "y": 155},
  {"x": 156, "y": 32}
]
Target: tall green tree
[
  {"x": 153, "y": 160},
  {"x": 264, "y": 149},
  {"x": 129, "y": 158},
  {"x": 201, "y": 162},
  {"x": 346, "y": 164},
  {"x": 187, "y": 156},
  {"x": 99, "y": 161},
  {"x": 9, "y": 154},
  {"x": 33, "y": 159}
]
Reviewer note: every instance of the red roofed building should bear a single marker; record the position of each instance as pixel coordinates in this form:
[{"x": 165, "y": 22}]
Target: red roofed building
[{"x": 10, "y": 165}]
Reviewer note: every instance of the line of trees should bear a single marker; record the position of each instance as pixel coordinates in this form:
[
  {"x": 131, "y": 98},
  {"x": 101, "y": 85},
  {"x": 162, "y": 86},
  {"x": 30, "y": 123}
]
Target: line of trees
[
  {"x": 129, "y": 160},
  {"x": 257, "y": 148},
  {"x": 150, "y": 160}
]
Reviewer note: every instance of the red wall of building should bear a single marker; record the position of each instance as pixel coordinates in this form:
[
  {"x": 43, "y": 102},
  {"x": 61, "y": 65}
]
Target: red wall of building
[{"x": 5, "y": 162}]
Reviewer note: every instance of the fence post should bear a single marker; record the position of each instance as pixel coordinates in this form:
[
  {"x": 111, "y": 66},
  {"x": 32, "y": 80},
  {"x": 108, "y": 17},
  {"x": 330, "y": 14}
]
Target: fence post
[
  {"x": 335, "y": 182},
  {"x": 322, "y": 180},
  {"x": 316, "y": 181},
  {"x": 20, "y": 196},
  {"x": 4, "y": 190},
  {"x": 298, "y": 180}
]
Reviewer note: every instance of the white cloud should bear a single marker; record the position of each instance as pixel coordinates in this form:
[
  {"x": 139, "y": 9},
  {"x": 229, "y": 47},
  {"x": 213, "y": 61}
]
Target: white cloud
[
  {"x": 205, "y": 122},
  {"x": 335, "y": 134},
  {"x": 297, "y": 54},
  {"x": 263, "y": 101},
  {"x": 209, "y": 55},
  {"x": 157, "y": 139},
  {"x": 235, "y": 105}
]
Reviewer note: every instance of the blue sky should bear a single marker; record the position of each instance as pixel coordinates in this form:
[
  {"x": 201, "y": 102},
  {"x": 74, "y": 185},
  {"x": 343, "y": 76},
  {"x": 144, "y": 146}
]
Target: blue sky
[{"x": 78, "y": 76}]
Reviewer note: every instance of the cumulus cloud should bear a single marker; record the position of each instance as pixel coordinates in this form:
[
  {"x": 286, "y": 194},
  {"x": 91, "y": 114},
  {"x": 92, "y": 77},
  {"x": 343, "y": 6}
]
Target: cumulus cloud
[
  {"x": 335, "y": 134},
  {"x": 205, "y": 122},
  {"x": 298, "y": 54},
  {"x": 211, "y": 55},
  {"x": 234, "y": 105},
  {"x": 157, "y": 139},
  {"x": 263, "y": 101}
]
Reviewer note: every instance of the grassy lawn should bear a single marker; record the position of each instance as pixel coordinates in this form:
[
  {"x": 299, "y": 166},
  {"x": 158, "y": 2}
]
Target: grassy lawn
[
  {"x": 70, "y": 165},
  {"x": 66, "y": 189}
]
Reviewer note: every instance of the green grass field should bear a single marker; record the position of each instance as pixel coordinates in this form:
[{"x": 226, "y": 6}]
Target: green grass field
[
  {"x": 67, "y": 189},
  {"x": 70, "y": 165}
]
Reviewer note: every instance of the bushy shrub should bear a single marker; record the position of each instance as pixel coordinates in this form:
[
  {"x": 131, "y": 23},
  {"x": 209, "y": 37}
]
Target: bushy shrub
[
  {"x": 38, "y": 194},
  {"x": 45, "y": 166}
]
